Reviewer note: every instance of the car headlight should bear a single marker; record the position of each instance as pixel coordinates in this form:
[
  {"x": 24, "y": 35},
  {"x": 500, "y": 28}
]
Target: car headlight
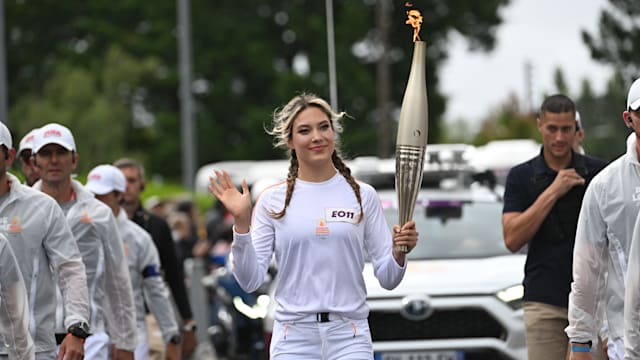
[{"x": 512, "y": 296}]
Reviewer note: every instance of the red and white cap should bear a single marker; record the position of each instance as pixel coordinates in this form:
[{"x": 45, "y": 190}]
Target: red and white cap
[
  {"x": 633, "y": 98},
  {"x": 27, "y": 141},
  {"x": 104, "y": 179},
  {"x": 5, "y": 136},
  {"x": 54, "y": 134}
]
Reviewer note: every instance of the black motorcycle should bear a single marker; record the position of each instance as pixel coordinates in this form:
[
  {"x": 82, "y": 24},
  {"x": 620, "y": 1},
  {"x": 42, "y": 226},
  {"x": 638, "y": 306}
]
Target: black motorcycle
[{"x": 235, "y": 329}]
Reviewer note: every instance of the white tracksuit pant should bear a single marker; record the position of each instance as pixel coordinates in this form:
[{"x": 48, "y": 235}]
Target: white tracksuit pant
[{"x": 339, "y": 338}]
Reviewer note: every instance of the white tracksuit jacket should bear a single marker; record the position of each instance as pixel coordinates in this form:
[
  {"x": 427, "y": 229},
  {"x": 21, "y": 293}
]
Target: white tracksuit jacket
[
  {"x": 46, "y": 252},
  {"x": 14, "y": 312},
  {"x": 632, "y": 299},
  {"x": 608, "y": 215},
  {"x": 100, "y": 245},
  {"x": 146, "y": 279}
]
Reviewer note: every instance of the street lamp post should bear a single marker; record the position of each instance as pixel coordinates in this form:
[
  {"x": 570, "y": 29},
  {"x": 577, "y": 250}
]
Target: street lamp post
[
  {"x": 331, "y": 54},
  {"x": 4, "y": 112},
  {"x": 186, "y": 99}
]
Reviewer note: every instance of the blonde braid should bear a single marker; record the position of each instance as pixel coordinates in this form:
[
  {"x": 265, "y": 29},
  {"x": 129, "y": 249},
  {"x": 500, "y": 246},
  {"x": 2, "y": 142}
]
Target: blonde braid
[
  {"x": 291, "y": 183},
  {"x": 346, "y": 172}
]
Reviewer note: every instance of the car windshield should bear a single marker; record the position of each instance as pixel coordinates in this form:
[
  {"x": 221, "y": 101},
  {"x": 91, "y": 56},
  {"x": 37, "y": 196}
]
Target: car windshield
[{"x": 455, "y": 229}]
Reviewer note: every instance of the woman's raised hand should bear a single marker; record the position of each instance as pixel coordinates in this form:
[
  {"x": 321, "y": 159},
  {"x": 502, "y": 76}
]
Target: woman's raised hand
[{"x": 236, "y": 202}]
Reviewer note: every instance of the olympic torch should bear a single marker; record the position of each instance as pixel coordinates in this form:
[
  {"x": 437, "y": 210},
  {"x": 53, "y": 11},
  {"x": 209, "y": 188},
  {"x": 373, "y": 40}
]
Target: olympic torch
[{"x": 411, "y": 142}]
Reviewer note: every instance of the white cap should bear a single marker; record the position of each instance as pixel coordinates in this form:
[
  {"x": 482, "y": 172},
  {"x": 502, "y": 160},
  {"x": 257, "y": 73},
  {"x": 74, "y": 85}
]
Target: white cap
[
  {"x": 633, "y": 99},
  {"x": 5, "y": 136},
  {"x": 53, "y": 134},
  {"x": 578, "y": 120},
  {"x": 104, "y": 179},
  {"x": 27, "y": 141}
]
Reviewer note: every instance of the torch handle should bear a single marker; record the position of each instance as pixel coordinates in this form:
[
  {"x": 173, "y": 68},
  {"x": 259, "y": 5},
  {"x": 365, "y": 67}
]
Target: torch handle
[{"x": 409, "y": 167}]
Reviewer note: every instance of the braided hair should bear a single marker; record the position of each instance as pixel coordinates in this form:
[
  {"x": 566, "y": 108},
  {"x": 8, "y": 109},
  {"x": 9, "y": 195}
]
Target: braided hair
[{"x": 281, "y": 129}]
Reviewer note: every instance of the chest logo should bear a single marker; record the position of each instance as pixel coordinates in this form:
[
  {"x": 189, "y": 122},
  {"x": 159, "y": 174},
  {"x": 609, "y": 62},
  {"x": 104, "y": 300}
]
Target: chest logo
[
  {"x": 322, "y": 228},
  {"x": 14, "y": 226},
  {"x": 342, "y": 215},
  {"x": 85, "y": 218}
]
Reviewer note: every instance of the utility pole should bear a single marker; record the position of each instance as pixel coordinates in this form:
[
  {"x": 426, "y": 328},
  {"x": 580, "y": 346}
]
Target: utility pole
[
  {"x": 528, "y": 86},
  {"x": 186, "y": 99},
  {"x": 4, "y": 111},
  {"x": 383, "y": 82},
  {"x": 331, "y": 54}
]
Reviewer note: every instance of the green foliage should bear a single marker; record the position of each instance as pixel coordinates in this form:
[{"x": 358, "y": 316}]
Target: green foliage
[
  {"x": 618, "y": 38},
  {"x": 508, "y": 121},
  {"x": 560, "y": 82},
  {"x": 109, "y": 70},
  {"x": 95, "y": 108},
  {"x": 616, "y": 43},
  {"x": 601, "y": 116}
]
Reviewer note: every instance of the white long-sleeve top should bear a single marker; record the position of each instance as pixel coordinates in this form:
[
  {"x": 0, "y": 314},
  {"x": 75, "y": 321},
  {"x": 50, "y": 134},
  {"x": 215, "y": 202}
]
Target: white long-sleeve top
[
  {"x": 319, "y": 247},
  {"x": 632, "y": 299},
  {"x": 146, "y": 279},
  {"x": 96, "y": 232},
  {"x": 603, "y": 238},
  {"x": 44, "y": 246},
  {"x": 14, "y": 312}
]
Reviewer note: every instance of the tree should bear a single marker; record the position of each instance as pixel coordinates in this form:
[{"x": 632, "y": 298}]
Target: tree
[
  {"x": 601, "y": 117},
  {"x": 618, "y": 38},
  {"x": 249, "y": 57},
  {"x": 560, "y": 82},
  {"x": 96, "y": 109},
  {"x": 615, "y": 43},
  {"x": 508, "y": 121}
]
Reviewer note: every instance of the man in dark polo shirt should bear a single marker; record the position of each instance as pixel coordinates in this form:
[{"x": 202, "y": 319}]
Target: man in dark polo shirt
[{"x": 541, "y": 205}]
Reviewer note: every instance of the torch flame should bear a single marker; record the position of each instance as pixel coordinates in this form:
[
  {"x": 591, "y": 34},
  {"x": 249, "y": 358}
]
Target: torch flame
[{"x": 414, "y": 18}]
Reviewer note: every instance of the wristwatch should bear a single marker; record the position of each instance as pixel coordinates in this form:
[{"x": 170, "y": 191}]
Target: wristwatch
[
  {"x": 79, "y": 330},
  {"x": 175, "y": 339},
  {"x": 587, "y": 344}
]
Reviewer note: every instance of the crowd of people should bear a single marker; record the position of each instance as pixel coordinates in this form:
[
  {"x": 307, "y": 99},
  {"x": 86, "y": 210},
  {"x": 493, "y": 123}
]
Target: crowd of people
[{"x": 93, "y": 264}]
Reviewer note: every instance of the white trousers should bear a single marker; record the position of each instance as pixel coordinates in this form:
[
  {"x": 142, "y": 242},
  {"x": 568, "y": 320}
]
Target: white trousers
[
  {"x": 97, "y": 346},
  {"x": 43, "y": 355},
  {"x": 337, "y": 339},
  {"x": 615, "y": 349},
  {"x": 142, "y": 350}
]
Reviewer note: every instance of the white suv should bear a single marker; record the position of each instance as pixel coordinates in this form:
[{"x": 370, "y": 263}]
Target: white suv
[{"x": 461, "y": 295}]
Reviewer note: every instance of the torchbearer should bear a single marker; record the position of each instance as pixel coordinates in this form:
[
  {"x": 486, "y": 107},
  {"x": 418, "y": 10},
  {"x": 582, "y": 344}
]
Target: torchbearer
[{"x": 411, "y": 142}]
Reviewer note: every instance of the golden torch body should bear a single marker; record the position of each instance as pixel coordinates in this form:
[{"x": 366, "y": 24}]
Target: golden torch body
[{"x": 411, "y": 142}]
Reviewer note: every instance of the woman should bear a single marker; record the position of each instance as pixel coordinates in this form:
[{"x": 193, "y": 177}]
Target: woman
[{"x": 319, "y": 222}]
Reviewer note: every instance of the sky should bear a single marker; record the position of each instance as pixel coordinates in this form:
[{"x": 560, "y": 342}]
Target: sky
[{"x": 546, "y": 33}]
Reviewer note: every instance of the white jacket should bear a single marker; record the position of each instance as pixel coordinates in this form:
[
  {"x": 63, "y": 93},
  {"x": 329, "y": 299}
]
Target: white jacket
[
  {"x": 14, "y": 313},
  {"x": 43, "y": 244},
  {"x": 100, "y": 245},
  {"x": 632, "y": 299},
  {"x": 146, "y": 279},
  {"x": 603, "y": 238}
]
